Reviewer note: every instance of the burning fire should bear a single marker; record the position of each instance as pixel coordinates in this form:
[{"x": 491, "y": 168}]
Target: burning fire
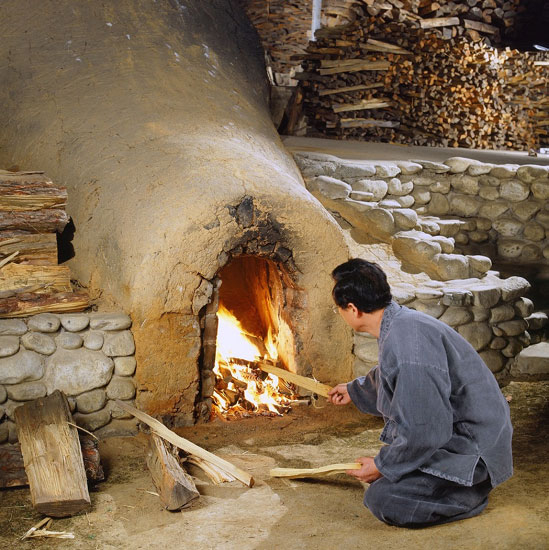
[{"x": 241, "y": 387}]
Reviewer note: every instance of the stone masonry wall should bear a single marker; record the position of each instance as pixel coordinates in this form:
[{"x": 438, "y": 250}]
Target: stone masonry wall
[
  {"x": 424, "y": 211},
  {"x": 90, "y": 357}
]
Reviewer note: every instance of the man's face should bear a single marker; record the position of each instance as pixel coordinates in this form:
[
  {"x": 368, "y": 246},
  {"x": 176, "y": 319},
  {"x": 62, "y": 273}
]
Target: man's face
[{"x": 350, "y": 315}]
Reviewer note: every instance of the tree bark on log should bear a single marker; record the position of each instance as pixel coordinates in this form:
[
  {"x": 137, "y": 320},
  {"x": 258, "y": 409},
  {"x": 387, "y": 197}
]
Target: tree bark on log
[
  {"x": 35, "y": 221},
  {"x": 30, "y": 303},
  {"x": 33, "y": 249},
  {"x": 52, "y": 456},
  {"x": 51, "y": 277},
  {"x": 175, "y": 487}
]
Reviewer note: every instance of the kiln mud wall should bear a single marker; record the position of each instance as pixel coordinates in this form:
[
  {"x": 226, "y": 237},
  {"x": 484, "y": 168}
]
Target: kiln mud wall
[{"x": 154, "y": 115}]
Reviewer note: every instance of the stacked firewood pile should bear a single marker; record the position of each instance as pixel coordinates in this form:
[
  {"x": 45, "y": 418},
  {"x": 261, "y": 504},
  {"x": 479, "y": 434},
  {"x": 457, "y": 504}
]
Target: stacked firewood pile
[
  {"x": 395, "y": 75},
  {"x": 32, "y": 211}
]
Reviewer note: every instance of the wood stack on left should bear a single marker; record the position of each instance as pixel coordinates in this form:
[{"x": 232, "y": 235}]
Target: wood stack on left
[{"x": 32, "y": 212}]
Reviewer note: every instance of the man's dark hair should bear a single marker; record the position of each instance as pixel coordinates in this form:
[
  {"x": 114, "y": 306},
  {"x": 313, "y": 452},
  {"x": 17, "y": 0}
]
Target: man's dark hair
[{"x": 361, "y": 283}]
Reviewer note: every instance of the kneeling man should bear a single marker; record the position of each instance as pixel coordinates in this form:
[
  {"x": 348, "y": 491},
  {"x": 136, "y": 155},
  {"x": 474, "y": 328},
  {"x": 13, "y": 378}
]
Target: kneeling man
[{"x": 447, "y": 424}]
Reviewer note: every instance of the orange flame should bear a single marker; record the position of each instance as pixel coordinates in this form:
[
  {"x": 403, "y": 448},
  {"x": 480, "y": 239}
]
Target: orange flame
[{"x": 234, "y": 348}]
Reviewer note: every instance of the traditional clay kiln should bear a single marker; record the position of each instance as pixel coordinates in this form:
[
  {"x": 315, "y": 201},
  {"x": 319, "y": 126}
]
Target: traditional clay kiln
[{"x": 154, "y": 115}]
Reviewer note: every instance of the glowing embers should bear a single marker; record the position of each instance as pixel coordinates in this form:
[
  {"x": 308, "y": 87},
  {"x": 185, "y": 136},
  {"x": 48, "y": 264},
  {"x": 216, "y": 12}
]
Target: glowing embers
[{"x": 241, "y": 388}]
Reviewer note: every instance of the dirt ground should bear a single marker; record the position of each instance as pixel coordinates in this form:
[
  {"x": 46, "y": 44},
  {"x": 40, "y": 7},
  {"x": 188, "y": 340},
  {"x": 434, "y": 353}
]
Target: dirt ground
[{"x": 292, "y": 514}]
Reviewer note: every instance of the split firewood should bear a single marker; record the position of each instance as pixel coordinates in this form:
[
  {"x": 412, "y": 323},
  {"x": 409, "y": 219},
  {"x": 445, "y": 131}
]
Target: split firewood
[
  {"x": 298, "y": 380},
  {"x": 41, "y": 530},
  {"x": 217, "y": 475},
  {"x": 12, "y": 468},
  {"x": 23, "y": 304},
  {"x": 56, "y": 277},
  {"x": 186, "y": 445},
  {"x": 37, "y": 249},
  {"x": 330, "y": 469},
  {"x": 52, "y": 456},
  {"x": 175, "y": 487}
]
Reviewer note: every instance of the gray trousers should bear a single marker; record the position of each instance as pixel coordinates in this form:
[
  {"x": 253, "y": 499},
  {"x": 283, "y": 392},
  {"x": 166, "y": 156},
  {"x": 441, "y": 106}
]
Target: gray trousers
[{"x": 421, "y": 500}]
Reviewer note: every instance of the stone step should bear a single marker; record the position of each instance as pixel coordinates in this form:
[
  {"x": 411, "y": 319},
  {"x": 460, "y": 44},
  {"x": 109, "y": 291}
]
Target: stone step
[{"x": 532, "y": 363}]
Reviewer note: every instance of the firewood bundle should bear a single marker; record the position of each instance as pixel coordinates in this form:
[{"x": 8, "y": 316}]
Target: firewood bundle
[
  {"x": 32, "y": 211},
  {"x": 389, "y": 76}
]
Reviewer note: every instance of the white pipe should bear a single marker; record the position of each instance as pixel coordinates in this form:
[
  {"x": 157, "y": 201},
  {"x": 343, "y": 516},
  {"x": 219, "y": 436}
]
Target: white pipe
[{"x": 317, "y": 9}]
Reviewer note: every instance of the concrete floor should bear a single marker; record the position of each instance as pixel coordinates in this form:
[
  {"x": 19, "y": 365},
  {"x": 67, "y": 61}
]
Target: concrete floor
[{"x": 294, "y": 515}]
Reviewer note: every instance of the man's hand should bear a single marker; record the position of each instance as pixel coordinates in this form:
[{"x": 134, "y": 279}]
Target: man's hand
[
  {"x": 339, "y": 395},
  {"x": 368, "y": 473}
]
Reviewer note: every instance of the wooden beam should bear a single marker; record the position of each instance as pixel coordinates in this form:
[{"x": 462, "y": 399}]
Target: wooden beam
[
  {"x": 52, "y": 456},
  {"x": 298, "y": 380},
  {"x": 330, "y": 469},
  {"x": 346, "y": 89},
  {"x": 186, "y": 445},
  {"x": 439, "y": 22},
  {"x": 175, "y": 486}
]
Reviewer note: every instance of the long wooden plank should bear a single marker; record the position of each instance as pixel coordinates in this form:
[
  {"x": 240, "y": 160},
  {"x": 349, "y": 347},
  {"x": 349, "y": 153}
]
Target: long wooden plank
[
  {"x": 186, "y": 445},
  {"x": 297, "y": 379},
  {"x": 52, "y": 456},
  {"x": 330, "y": 469}
]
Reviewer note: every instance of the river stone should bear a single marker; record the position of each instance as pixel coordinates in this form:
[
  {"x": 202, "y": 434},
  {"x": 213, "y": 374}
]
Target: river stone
[
  {"x": 27, "y": 391},
  {"x": 9, "y": 345},
  {"x": 92, "y": 421},
  {"x": 465, "y": 184},
  {"x": 389, "y": 204},
  {"x": 451, "y": 266},
  {"x": 347, "y": 169},
  {"x": 505, "y": 312},
  {"x": 421, "y": 196},
  {"x": 121, "y": 387},
  {"x": 429, "y": 226},
  {"x": 514, "y": 191},
  {"x": 512, "y": 328},
  {"x": 434, "y": 308},
  {"x": 493, "y": 359},
  {"x": 534, "y": 360},
  {"x": 480, "y": 169},
  {"x": 536, "y": 321},
  {"x": 406, "y": 201},
  {"x": 462, "y": 238},
  {"x": 93, "y": 340},
  {"x": 513, "y": 348},
  {"x": 9, "y": 409},
  {"x": 118, "y": 343},
  {"x": 456, "y": 316},
  {"x": 481, "y": 264},
  {"x": 493, "y": 210},
  {"x": 117, "y": 412},
  {"x": 76, "y": 371},
  {"x": 530, "y": 252},
  {"x": 361, "y": 196},
  {"x": 379, "y": 222},
  {"x": 69, "y": 340},
  {"x": 413, "y": 248},
  {"x": 440, "y": 187},
  {"x": 480, "y": 314},
  {"x": 23, "y": 366},
  {"x": 110, "y": 321},
  {"x": 407, "y": 167},
  {"x": 438, "y": 205},
  {"x": 509, "y": 248},
  {"x": 396, "y": 187},
  {"x": 507, "y": 227},
  {"x": 12, "y": 327},
  {"x": 328, "y": 187},
  {"x": 456, "y": 297},
  {"x": 124, "y": 366},
  {"x": 365, "y": 347},
  {"x": 36, "y": 341},
  {"x": 478, "y": 335},
  {"x": 534, "y": 231},
  {"x": 543, "y": 218},
  {"x": 546, "y": 252},
  {"x": 532, "y": 172},
  {"x": 310, "y": 168},
  {"x": 44, "y": 322},
  {"x": 449, "y": 228},
  {"x": 437, "y": 167},
  {"x": 74, "y": 322},
  {"x": 91, "y": 401},
  {"x": 540, "y": 190},
  {"x": 489, "y": 193},
  {"x": 464, "y": 205},
  {"x": 484, "y": 223},
  {"x": 447, "y": 245},
  {"x": 504, "y": 171},
  {"x": 513, "y": 288},
  {"x": 378, "y": 188},
  {"x": 479, "y": 236},
  {"x": 526, "y": 210},
  {"x": 405, "y": 218},
  {"x": 429, "y": 293},
  {"x": 498, "y": 343},
  {"x": 3, "y": 394},
  {"x": 387, "y": 170},
  {"x": 402, "y": 294},
  {"x": 485, "y": 295},
  {"x": 4, "y": 431},
  {"x": 459, "y": 164}
]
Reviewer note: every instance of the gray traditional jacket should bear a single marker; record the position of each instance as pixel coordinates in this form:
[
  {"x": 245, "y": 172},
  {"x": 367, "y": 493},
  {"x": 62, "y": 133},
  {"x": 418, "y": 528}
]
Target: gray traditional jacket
[{"x": 442, "y": 406}]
